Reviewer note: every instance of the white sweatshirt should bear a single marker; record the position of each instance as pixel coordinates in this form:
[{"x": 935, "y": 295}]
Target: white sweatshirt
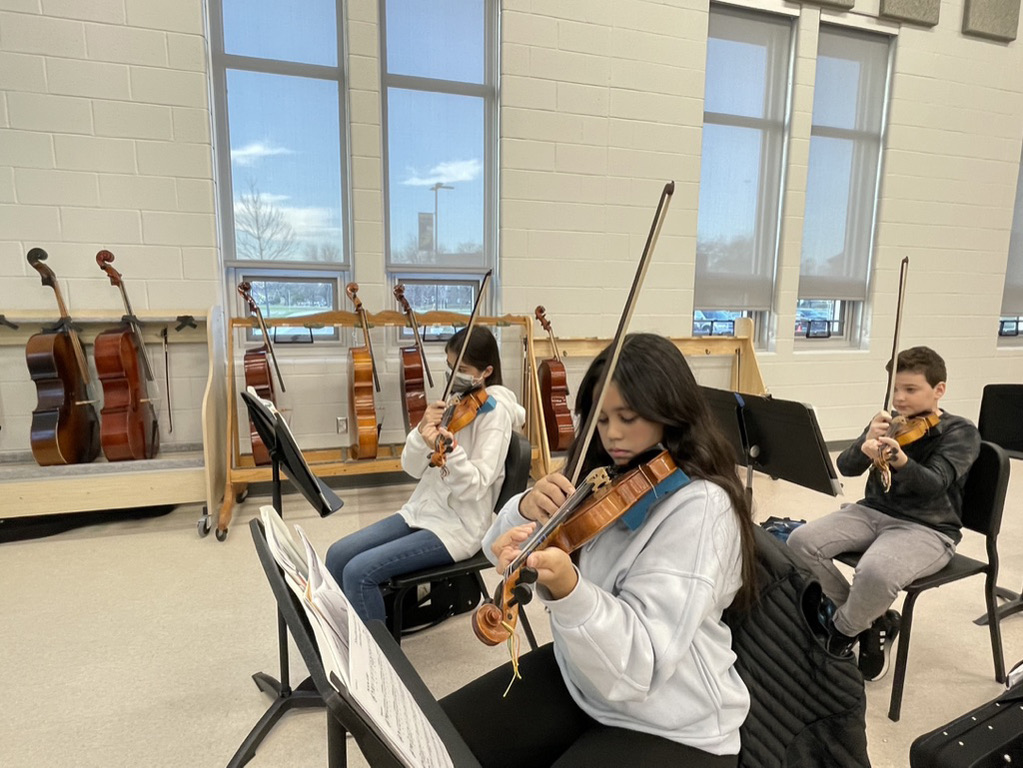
[
  {"x": 640, "y": 640},
  {"x": 459, "y": 506}
]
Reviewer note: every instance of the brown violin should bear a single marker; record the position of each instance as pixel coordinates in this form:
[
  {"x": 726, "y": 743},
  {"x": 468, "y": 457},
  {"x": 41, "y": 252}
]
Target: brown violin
[
  {"x": 362, "y": 380},
  {"x": 257, "y": 372},
  {"x": 413, "y": 366},
  {"x": 129, "y": 428},
  {"x": 461, "y": 407},
  {"x": 65, "y": 428},
  {"x": 600, "y": 499},
  {"x": 554, "y": 393}
]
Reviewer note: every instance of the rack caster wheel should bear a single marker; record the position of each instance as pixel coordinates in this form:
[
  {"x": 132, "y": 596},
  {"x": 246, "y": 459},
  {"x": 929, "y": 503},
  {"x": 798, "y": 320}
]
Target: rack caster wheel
[
  {"x": 204, "y": 524},
  {"x": 241, "y": 496},
  {"x": 221, "y": 534}
]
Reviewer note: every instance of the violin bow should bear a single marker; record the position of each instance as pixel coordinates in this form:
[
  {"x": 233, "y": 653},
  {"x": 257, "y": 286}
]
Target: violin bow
[
  {"x": 541, "y": 532},
  {"x": 468, "y": 332},
  {"x": 576, "y": 460},
  {"x": 893, "y": 364}
]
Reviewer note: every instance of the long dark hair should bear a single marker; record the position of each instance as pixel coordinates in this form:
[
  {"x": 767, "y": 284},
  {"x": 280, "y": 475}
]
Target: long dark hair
[
  {"x": 655, "y": 381},
  {"x": 481, "y": 352}
]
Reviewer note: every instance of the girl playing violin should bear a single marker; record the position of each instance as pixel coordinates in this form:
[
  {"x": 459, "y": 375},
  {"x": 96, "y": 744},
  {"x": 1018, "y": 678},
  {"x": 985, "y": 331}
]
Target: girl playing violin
[
  {"x": 904, "y": 533},
  {"x": 641, "y": 670},
  {"x": 452, "y": 507}
]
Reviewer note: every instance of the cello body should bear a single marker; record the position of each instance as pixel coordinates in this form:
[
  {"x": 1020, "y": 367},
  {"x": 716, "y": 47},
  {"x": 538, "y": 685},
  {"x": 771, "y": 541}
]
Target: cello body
[
  {"x": 361, "y": 405},
  {"x": 128, "y": 424},
  {"x": 65, "y": 428},
  {"x": 554, "y": 398},
  {"x": 413, "y": 387},
  {"x": 257, "y": 376}
]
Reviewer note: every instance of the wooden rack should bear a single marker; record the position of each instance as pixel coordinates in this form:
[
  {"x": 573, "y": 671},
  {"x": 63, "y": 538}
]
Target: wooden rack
[
  {"x": 187, "y": 475},
  {"x": 241, "y": 470},
  {"x": 745, "y": 373}
]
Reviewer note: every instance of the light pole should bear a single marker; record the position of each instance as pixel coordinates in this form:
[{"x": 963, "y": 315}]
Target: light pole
[{"x": 436, "y": 189}]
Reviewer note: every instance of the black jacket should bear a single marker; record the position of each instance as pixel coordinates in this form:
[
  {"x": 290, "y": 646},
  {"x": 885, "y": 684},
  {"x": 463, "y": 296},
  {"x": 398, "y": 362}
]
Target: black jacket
[{"x": 807, "y": 707}]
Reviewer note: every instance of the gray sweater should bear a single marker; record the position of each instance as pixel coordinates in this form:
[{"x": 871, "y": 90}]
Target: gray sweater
[
  {"x": 929, "y": 489},
  {"x": 640, "y": 640}
]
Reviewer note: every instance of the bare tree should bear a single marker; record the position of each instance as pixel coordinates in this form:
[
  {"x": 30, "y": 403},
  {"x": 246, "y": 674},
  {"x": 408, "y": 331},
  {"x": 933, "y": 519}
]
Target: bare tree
[
  {"x": 262, "y": 231},
  {"x": 322, "y": 251}
]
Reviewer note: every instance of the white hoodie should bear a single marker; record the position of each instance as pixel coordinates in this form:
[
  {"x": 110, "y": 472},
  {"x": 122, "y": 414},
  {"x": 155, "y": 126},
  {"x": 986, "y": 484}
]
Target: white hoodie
[
  {"x": 640, "y": 640},
  {"x": 459, "y": 506}
]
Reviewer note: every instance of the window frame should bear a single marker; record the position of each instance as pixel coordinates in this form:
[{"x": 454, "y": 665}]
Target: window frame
[
  {"x": 488, "y": 92},
  {"x": 220, "y": 63},
  {"x": 769, "y": 216},
  {"x": 854, "y": 311}
]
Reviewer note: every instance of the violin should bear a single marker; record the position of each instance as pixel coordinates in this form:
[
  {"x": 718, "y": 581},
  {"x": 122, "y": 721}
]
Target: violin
[
  {"x": 606, "y": 495},
  {"x": 602, "y": 498},
  {"x": 129, "y": 428},
  {"x": 65, "y": 428},
  {"x": 258, "y": 374},
  {"x": 554, "y": 393},
  {"x": 460, "y": 412},
  {"x": 362, "y": 379},
  {"x": 461, "y": 407},
  {"x": 413, "y": 366}
]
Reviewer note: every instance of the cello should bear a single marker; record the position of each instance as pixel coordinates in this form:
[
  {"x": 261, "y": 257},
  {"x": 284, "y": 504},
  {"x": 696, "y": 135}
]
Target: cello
[
  {"x": 413, "y": 366},
  {"x": 129, "y": 428},
  {"x": 257, "y": 372},
  {"x": 362, "y": 379},
  {"x": 554, "y": 393},
  {"x": 65, "y": 428},
  {"x": 602, "y": 498}
]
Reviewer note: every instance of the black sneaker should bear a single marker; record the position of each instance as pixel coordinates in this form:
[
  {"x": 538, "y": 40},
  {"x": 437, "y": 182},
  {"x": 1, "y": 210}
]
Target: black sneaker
[
  {"x": 876, "y": 643},
  {"x": 836, "y": 643}
]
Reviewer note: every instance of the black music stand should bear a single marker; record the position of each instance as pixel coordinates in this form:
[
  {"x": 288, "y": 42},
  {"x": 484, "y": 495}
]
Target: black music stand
[
  {"x": 780, "y": 438},
  {"x": 284, "y": 453}
]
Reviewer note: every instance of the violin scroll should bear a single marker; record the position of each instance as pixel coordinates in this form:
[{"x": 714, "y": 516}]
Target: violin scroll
[
  {"x": 36, "y": 257},
  {"x": 104, "y": 259}
]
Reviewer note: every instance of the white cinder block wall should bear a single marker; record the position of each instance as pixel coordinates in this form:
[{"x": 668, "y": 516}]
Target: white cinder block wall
[{"x": 105, "y": 142}]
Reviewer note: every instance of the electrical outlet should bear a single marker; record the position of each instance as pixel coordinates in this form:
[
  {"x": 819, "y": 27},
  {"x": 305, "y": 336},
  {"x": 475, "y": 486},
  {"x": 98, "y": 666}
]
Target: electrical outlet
[{"x": 342, "y": 425}]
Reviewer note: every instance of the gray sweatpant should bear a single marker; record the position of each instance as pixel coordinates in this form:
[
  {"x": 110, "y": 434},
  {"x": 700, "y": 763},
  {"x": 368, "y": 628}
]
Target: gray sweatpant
[{"x": 895, "y": 552}]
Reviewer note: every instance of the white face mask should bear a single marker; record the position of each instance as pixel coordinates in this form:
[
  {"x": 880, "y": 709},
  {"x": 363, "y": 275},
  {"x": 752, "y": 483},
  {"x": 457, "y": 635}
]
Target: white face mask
[{"x": 462, "y": 382}]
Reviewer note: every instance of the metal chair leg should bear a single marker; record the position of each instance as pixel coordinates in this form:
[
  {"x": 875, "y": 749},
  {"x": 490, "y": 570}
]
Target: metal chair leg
[
  {"x": 994, "y": 625},
  {"x": 902, "y": 657}
]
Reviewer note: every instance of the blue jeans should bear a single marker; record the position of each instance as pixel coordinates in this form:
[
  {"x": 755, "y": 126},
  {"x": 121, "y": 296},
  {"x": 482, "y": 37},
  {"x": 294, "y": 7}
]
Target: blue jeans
[{"x": 362, "y": 561}]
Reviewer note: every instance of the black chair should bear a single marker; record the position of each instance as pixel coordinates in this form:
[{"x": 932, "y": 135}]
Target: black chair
[
  {"x": 398, "y": 588},
  {"x": 1001, "y": 417},
  {"x": 343, "y": 713},
  {"x": 983, "y": 501},
  {"x": 1001, "y": 423}
]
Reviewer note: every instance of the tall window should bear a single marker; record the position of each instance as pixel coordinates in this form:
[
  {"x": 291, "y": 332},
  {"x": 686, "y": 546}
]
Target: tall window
[
  {"x": 1012, "y": 296},
  {"x": 440, "y": 117},
  {"x": 279, "y": 107},
  {"x": 849, "y": 105},
  {"x": 749, "y": 58}
]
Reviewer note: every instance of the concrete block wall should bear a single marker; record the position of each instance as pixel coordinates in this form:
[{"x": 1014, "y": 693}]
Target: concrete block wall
[{"x": 105, "y": 142}]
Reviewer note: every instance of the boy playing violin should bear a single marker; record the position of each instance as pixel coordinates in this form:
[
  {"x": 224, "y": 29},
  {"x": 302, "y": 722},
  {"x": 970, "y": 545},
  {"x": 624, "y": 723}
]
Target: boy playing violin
[{"x": 906, "y": 532}]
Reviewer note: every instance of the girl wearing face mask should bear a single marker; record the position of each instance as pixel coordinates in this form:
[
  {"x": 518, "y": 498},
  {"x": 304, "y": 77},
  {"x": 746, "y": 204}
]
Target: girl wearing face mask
[
  {"x": 641, "y": 670},
  {"x": 445, "y": 519}
]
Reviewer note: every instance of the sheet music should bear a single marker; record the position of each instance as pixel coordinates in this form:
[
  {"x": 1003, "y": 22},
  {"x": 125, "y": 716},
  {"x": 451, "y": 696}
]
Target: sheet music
[{"x": 351, "y": 655}]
